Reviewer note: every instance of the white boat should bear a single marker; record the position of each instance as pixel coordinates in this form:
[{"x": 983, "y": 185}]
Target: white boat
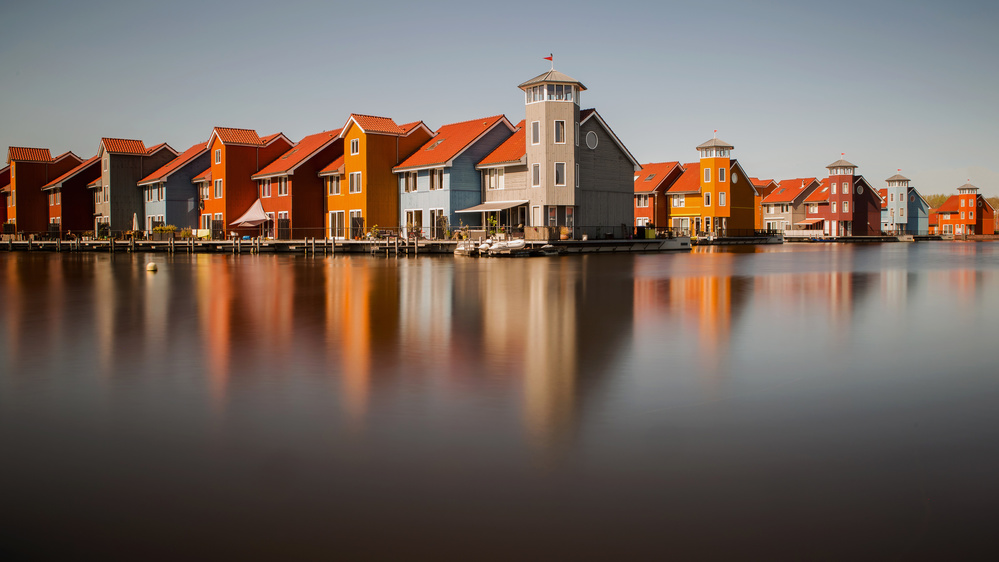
[
  {"x": 466, "y": 248},
  {"x": 504, "y": 247}
]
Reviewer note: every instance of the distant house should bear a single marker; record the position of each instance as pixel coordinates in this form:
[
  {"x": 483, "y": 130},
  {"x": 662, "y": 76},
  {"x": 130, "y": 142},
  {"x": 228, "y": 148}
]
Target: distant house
[
  {"x": 124, "y": 162},
  {"x": 917, "y": 213},
  {"x": 336, "y": 219},
  {"x": 290, "y": 189},
  {"x": 894, "y": 204},
  {"x": 4, "y": 192},
  {"x": 763, "y": 188},
  {"x": 235, "y": 155},
  {"x": 817, "y": 209},
  {"x": 572, "y": 170},
  {"x": 854, "y": 207},
  {"x": 932, "y": 222},
  {"x": 369, "y": 196},
  {"x": 967, "y": 213},
  {"x": 713, "y": 195},
  {"x": 71, "y": 206},
  {"x": 30, "y": 169},
  {"x": 784, "y": 208},
  {"x": 651, "y": 201},
  {"x": 440, "y": 177},
  {"x": 169, "y": 192}
]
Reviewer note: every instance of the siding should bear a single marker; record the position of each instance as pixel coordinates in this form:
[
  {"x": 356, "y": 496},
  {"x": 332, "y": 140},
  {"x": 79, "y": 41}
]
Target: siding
[{"x": 606, "y": 189}]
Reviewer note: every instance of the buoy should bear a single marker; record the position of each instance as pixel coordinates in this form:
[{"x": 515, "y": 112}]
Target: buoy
[{"x": 150, "y": 266}]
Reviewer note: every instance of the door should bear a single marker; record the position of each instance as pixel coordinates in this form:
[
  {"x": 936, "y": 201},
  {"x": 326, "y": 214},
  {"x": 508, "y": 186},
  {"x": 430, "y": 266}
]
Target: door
[{"x": 337, "y": 225}]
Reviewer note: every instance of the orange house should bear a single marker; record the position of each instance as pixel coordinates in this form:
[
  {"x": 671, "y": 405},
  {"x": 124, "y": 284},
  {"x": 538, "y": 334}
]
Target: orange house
[
  {"x": 30, "y": 169},
  {"x": 763, "y": 188},
  {"x": 4, "y": 190},
  {"x": 651, "y": 184},
  {"x": 965, "y": 213},
  {"x": 71, "y": 206},
  {"x": 291, "y": 190},
  {"x": 363, "y": 192},
  {"x": 236, "y": 155}
]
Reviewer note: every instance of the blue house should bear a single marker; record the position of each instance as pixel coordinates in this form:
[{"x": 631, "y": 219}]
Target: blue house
[
  {"x": 170, "y": 194},
  {"x": 918, "y": 212},
  {"x": 440, "y": 178}
]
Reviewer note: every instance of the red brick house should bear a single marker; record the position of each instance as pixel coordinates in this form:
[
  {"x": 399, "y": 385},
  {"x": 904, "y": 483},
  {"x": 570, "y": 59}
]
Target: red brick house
[
  {"x": 965, "y": 213},
  {"x": 30, "y": 169},
  {"x": 236, "y": 155},
  {"x": 854, "y": 207},
  {"x": 290, "y": 189},
  {"x": 71, "y": 204}
]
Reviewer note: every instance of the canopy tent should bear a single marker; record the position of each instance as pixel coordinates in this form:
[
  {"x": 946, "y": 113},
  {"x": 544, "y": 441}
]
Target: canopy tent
[
  {"x": 254, "y": 216},
  {"x": 493, "y": 206}
]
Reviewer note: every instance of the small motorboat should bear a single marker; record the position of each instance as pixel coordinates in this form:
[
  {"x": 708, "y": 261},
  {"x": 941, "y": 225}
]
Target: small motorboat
[
  {"x": 466, "y": 248},
  {"x": 507, "y": 247}
]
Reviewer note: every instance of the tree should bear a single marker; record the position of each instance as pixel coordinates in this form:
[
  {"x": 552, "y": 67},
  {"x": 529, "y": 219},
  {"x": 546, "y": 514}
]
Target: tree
[{"x": 934, "y": 201}]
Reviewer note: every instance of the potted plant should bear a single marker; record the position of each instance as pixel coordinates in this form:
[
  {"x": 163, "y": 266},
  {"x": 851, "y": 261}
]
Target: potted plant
[{"x": 564, "y": 232}]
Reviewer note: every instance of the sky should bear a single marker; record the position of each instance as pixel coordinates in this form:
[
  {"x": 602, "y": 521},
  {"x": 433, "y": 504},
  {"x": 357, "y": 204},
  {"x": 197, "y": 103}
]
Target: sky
[{"x": 907, "y": 85}]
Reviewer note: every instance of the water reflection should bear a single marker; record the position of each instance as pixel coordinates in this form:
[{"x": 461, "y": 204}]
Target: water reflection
[{"x": 416, "y": 396}]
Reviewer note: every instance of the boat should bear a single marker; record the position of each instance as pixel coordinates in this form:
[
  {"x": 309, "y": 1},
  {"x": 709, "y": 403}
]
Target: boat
[
  {"x": 466, "y": 248},
  {"x": 508, "y": 247}
]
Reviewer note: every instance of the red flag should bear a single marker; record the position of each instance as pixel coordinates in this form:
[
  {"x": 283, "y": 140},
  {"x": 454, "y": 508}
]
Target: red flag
[{"x": 550, "y": 57}]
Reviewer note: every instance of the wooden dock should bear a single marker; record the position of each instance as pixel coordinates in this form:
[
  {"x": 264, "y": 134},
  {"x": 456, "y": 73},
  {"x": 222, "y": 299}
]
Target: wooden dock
[{"x": 307, "y": 247}]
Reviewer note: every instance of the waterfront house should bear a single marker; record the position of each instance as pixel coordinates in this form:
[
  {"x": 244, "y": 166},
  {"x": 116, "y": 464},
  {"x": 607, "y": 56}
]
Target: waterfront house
[
  {"x": 71, "y": 206},
  {"x": 894, "y": 203},
  {"x": 290, "y": 188},
  {"x": 336, "y": 221},
  {"x": 917, "y": 213},
  {"x": 817, "y": 213},
  {"x": 576, "y": 173},
  {"x": 506, "y": 166},
  {"x": 763, "y": 188},
  {"x": 854, "y": 206},
  {"x": 235, "y": 155},
  {"x": 651, "y": 183},
  {"x": 124, "y": 162},
  {"x": 932, "y": 222},
  {"x": 170, "y": 194},
  {"x": 4, "y": 191},
  {"x": 966, "y": 213},
  {"x": 684, "y": 199},
  {"x": 784, "y": 208},
  {"x": 30, "y": 169},
  {"x": 440, "y": 177},
  {"x": 372, "y": 147}
]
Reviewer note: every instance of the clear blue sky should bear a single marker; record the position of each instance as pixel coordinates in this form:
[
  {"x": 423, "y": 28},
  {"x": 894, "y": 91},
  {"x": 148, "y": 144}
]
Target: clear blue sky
[{"x": 893, "y": 84}]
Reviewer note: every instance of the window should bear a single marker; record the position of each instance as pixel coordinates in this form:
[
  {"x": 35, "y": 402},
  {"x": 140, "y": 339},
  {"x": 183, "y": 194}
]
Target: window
[
  {"x": 813, "y": 208},
  {"x": 218, "y": 156},
  {"x": 265, "y": 188},
  {"x": 355, "y": 146},
  {"x": 707, "y": 175},
  {"x": 495, "y": 178},
  {"x": 535, "y": 175},
  {"x": 334, "y": 185},
  {"x": 535, "y": 132},
  {"x": 577, "y": 174},
  {"x": 218, "y": 216},
  {"x": 707, "y": 199},
  {"x": 642, "y": 200},
  {"x": 560, "y": 173},
  {"x": 971, "y": 214},
  {"x": 833, "y": 206},
  {"x": 560, "y": 132},
  {"x": 409, "y": 182},
  {"x": 282, "y": 186},
  {"x": 846, "y": 206},
  {"x": 161, "y": 192},
  {"x": 834, "y": 188},
  {"x": 149, "y": 193},
  {"x": 106, "y": 160},
  {"x": 891, "y": 197},
  {"x": 58, "y": 195},
  {"x": 678, "y": 201},
  {"x": 901, "y": 212},
  {"x": 569, "y": 217},
  {"x": 551, "y": 216},
  {"x": 218, "y": 189},
  {"x": 577, "y": 134},
  {"x": 355, "y": 182},
  {"x": 962, "y": 215},
  {"x": 721, "y": 178},
  {"x": 721, "y": 198},
  {"x": 962, "y": 202},
  {"x": 436, "y": 179}
]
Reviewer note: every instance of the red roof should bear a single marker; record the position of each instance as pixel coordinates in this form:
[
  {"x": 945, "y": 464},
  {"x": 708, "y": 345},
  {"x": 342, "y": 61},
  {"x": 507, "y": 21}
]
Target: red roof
[
  {"x": 175, "y": 164},
  {"x": 689, "y": 181},
  {"x": 267, "y": 139},
  {"x": 584, "y": 113},
  {"x": 951, "y": 205},
  {"x": 651, "y": 175},
  {"x": 229, "y": 135},
  {"x": 821, "y": 193},
  {"x": 25, "y": 154},
  {"x": 757, "y": 182},
  {"x": 512, "y": 149},
  {"x": 83, "y": 166},
  {"x": 203, "y": 176},
  {"x": 301, "y": 152},
  {"x": 333, "y": 167},
  {"x": 373, "y": 124},
  {"x": 124, "y": 146},
  {"x": 449, "y": 141},
  {"x": 405, "y": 129},
  {"x": 789, "y": 190}
]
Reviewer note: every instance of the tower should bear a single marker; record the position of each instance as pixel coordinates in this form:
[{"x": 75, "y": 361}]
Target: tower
[
  {"x": 967, "y": 196},
  {"x": 841, "y": 200},
  {"x": 552, "y": 138},
  {"x": 715, "y": 183},
  {"x": 895, "y": 219}
]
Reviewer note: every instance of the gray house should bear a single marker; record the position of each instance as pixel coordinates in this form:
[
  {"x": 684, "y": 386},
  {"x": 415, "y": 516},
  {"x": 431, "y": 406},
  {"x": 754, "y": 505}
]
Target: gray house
[
  {"x": 570, "y": 169},
  {"x": 119, "y": 203},
  {"x": 169, "y": 192},
  {"x": 784, "y": 208}
]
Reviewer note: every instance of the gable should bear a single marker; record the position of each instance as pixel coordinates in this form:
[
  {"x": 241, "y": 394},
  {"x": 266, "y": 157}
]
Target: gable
[{"x": 592, "y": 115}]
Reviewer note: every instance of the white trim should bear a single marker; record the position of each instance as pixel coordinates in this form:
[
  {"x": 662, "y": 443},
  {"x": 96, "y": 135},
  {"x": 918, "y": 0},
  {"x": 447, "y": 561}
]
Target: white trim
[{"x": 613, "y": 137}]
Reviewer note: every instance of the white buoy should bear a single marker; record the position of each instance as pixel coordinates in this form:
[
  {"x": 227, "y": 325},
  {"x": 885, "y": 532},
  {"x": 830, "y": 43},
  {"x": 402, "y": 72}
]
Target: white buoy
[{"x": 150, "y": 266}]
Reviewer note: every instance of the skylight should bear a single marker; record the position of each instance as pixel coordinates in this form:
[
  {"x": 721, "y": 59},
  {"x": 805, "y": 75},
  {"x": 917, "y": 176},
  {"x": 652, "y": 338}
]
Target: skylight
[
  {"x": 650, "y": 177},
  {"x": 433, "y": 146}
]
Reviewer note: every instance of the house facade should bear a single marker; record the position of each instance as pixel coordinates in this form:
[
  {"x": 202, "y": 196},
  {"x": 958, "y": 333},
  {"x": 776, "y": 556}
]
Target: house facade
[
  {"x": 917, "y": 213},
  {"x": 119, "y": 203},
  {"x": 894, "y": 205},
  {"x": 854, "y": 207},
  {"x": 235, "y": 155},
  {"x": 784, "y": 208},
  {"x": 763, "y": 188},
  {"x": 367, "y": 189},
  {"x": 440, "y": 178},
  {"x": 291, "y": 191},
  {"x": 169, "y": 192},
  {"x": 967, "y": 213},
  {"x": 817, "y": 209},
  {"x": 30, "y": 169},
  {"x": 71, "y": 205},
  {"x": 651, "y": 200}
]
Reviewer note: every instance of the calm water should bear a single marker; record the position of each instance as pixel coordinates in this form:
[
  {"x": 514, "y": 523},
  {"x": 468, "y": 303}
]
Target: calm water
[{"x": 801, "y": 402}]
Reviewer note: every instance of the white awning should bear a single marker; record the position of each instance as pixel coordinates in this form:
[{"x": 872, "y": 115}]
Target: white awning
[
  {"x": 254, "y": 216},
  {"x": 493, "y": 206}
]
